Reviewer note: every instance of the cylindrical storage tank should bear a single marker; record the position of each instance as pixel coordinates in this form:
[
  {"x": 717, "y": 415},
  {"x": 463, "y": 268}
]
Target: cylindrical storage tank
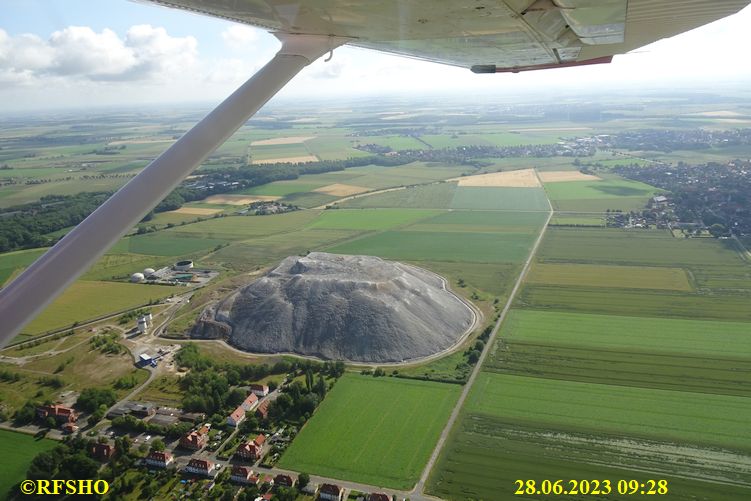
[
  {"x": 137, "y": 277},
  {"x": 148, "y": 271},
  {"x": 183, "y": 265}
]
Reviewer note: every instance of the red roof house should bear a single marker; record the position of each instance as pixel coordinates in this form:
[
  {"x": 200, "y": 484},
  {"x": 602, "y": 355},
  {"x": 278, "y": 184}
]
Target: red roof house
[
  {"x": 194, "y": 440},
  {"x": 283, "y": 480},
  {"x": 237, "y": 416},
  {"x": 242, "y": 475},
  {"x": 200, "y": 467},
  {"x": 159, "y": 459},
  {"x": 249, "y": 452},
  {"x": 249, "y": 402},
  {"x": 330, "y": 492},
  {"x": 260, "y": 390},
  {"x": 263, "y": 410},
  {"x": 102, "y": 452},
  {"x": 61, "y": 413}
]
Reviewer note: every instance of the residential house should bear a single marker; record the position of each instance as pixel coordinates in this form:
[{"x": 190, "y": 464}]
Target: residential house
[
  {"x": 283, "y": 480},
  {"x": 60, "y": 413},
  {"x": 250, "y": 402},
  {"x": 379, "y": 496},
  {"x": 102, "y": 452},
  {"x": 200, "y": 467},
  {"x": 248, "y": 451},
  {"x": 159, "y": 459},
  {"x": 195, "y": 439},
  {"x": 237, "y": 417},
  {"x": 260, "y": 390},
  {"x": 330, "y": 492},
  {"x": 243, "y": 475},
  {"x": 263, "y": 410},
  {"x": 251, "y": 451}
]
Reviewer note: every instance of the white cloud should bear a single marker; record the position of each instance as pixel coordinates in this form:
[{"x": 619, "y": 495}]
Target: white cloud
[
  {"x": 240, "y": 36},
  {"x": 146, "y": 53}
]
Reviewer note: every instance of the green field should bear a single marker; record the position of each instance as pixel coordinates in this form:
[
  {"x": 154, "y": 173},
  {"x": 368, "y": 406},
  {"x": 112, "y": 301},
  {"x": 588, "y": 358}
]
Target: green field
[
  {"x": 240, "y": 227},
  {"x": 379, "y": 431},
  {"x": 376, "y": 219},
  {"x": 598, "y": 196},
  {"x": 483, "y": 221},
  {"x": 309, "y": 200},
  {"x": 640, "y": 303},
  {"x": 702, "y": 418},
  {"x": 265, "y": 251},
  {"x": 606, "y": 188},
  {"x": 488, "y": 198},
  {"x": 633, "y": 247},
  {"x": 85, "y": 300},
  {"x": 491, "y": 278},
  {"x": 442, "y": 246},
  {"x": 630, "y": 277},
  {"x": 432, "y": 196},
  {"x": 12, "y": 262},
  {"x": 165, "y": 243},
  {"x": 698, "y": 338},
  {"x": 282, "y": 188},
  {"x": 18, "y": 451},
  {"x": 485, "y": 456},
  {"x": 574, "y": 219},
  {"x": 272, "y": 151}
]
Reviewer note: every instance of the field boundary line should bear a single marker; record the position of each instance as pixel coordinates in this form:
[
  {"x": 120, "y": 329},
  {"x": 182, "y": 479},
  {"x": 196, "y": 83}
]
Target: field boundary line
[{"x": 420, "y": 486}]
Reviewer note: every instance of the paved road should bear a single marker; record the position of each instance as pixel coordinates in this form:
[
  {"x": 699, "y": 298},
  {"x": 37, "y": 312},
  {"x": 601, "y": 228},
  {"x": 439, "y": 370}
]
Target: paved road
[{"x": 420, "y": 487}]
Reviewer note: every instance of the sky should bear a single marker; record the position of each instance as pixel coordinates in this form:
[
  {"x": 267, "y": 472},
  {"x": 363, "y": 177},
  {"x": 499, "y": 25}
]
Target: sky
[{"x": 83, "y": 53}]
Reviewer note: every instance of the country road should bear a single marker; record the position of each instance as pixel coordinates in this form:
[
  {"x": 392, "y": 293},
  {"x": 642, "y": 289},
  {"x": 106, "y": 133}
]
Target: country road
[{"x": 420, "y": 487}]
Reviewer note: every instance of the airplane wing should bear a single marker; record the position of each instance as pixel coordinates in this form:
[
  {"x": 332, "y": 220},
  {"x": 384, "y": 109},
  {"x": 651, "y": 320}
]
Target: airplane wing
[{"x": 484, "y": 35}]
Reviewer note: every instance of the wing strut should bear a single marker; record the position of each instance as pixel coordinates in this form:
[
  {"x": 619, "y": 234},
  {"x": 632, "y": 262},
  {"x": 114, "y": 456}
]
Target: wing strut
[{"x": 44, "y": 280}]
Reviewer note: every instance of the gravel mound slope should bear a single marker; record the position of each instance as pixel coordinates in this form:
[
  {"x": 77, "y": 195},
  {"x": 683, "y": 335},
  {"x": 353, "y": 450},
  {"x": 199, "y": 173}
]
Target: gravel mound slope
[{"x": 356, "y": 308}]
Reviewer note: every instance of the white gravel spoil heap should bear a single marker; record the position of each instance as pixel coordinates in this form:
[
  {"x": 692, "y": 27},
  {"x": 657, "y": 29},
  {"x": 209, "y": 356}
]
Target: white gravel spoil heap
[{"x": 356, "y": 308}]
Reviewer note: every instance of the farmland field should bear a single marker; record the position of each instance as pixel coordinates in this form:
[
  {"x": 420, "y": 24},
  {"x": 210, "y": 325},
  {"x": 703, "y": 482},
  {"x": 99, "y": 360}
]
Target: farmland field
[
  {"x": 485, "y": 456},
  {"x": 87, "y": 299},
  {"x": 432, "y": 196},
  {"x": 282, "y": 188},
  {"x": 711, "y": 339},
  {"x": 598, "y": 196},
  {"x": 442, "y": 246},
  {"x": 635, "y": 302},
  {"x": 630, "y": 277},
  {"x": 515, "y": 199},
  {"x": 563, "y": 218},
  {"x": 18, "y": 451},
  {"x": 606, "y": 188},
  {"x": 376, "y": 219},
  {"x": 14, "y": 261},
  {"x": 639, "y": 247},
  {"x": 492, "y": 278},
  {"x": 373, "y": 430},
  {"x": 702, "y": 418},
  {"x": 165, "y": 243},
  {"x": 243, "y": 227},
  {"x": 268, "y": 250},
  {"x": 483, "y": 221}
]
